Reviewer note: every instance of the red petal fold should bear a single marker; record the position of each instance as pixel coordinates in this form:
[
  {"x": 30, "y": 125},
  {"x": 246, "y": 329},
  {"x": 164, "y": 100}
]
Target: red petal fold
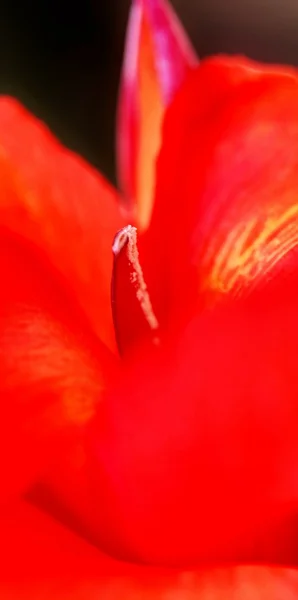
[
  {"x": 54, "y": 199},
  {"x": 41, "y": 560},
  {"x": 194, "y": 455},
  {"x": 226, "y": 202},
  {"x": 158, "y": 56}
]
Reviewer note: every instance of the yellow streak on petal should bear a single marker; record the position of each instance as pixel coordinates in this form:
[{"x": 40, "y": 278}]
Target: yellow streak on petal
[{"x": 245, "y": 257}]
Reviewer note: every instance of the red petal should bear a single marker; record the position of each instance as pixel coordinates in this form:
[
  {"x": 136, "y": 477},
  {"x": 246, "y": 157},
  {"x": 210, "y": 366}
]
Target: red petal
[
  {"x": 53, "y": 198},
  {"x": 194, "y": 455},
  {"x": 226, "y": 211},
  {"x": 52, "y": 367},
  {"x": 41, "y": 560},
  {"x": 157, "y": 57}
]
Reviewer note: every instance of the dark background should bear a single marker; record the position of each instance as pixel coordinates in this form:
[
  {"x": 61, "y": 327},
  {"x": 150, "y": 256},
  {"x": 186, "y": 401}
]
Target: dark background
[{"x": 62, "y": 58}]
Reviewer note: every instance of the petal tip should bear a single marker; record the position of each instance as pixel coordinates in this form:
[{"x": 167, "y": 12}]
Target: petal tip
[{"x": 157, "y": 57}]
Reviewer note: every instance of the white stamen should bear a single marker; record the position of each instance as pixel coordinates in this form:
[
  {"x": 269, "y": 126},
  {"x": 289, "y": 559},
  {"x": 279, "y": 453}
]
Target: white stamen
[{"x": 128, "y": 235}]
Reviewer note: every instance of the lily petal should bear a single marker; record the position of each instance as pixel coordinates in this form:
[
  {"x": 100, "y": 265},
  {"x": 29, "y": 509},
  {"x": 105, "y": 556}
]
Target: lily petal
[
  {"x": 229, "y": 165},
  {"x": 53, "y": 368},
  {"x": 44, "y": 561},
  {"x": 158, "y": 55},
  {"x": 54, "y": 199},
  {"x": 194, "y": 454}
]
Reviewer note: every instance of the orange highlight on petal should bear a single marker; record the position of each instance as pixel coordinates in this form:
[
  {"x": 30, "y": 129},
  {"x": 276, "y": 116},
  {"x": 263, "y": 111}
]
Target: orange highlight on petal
[{"x": 151, "y": 115}]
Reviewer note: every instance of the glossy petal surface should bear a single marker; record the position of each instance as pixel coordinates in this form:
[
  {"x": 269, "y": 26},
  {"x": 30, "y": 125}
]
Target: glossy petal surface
[
  {"x": 225, "y": 215},
  {"x": 43, "y": 561},
  {"x": 158, "y": 56},
  {"x": 54, "y": 199}
]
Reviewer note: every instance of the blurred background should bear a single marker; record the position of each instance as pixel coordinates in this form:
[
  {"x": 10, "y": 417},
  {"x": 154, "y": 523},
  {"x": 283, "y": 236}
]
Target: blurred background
[{"x": 63, "y": 58}]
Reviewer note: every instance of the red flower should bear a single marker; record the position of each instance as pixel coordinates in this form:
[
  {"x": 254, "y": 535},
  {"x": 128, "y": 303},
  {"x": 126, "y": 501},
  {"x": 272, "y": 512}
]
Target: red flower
[{"x": 183, "y": 452}]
